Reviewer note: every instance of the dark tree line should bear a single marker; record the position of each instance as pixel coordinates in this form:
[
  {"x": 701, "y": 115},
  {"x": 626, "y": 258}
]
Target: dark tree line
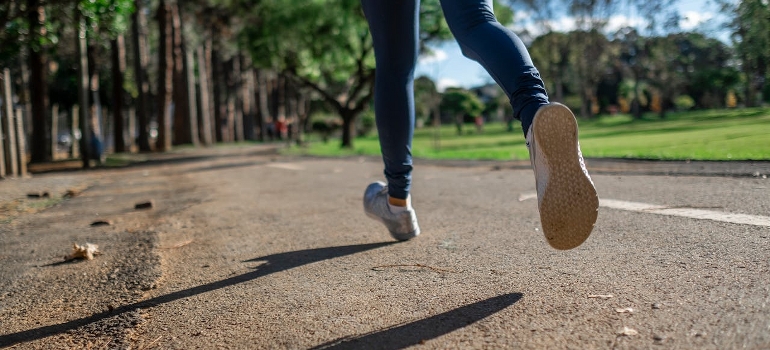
[{"x": 142, "y": 76}]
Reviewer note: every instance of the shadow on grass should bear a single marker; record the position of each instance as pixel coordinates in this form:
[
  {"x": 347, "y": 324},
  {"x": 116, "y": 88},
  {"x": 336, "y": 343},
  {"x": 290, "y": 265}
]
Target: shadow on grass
[
  {"x": 273, "y": 263},
  {"x": 413, "y": 333}
]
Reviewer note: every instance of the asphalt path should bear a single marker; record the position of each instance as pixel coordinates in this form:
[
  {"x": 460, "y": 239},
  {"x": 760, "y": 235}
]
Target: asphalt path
[{"x": 245, "y": 249}]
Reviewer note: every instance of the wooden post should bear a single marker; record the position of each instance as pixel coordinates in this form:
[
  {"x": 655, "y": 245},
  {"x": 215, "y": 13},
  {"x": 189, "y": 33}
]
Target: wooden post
[
  {"x": 131, "y": 140},
  {"x": 54, "y": 130},
  {"x": 11, "y": 162},
  {"x": 20, "y": 144},
  {"x": 6, "y": 103},
  {"x": 2, "y": 143},
  {"x": 74, "y": 132}
]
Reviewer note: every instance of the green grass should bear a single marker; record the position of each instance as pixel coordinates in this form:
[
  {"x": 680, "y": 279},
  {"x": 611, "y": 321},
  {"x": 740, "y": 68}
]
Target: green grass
[{"x": 736, "y": 134}]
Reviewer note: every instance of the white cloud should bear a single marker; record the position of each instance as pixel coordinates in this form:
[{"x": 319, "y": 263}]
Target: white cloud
[
  {"x": 434, "y": 56},
  {"x": 566, "y": 24},
  {"x": 619, "y": 21},
  {"x": 692, "y": 19},
  {"x": 445, "y": 83}
]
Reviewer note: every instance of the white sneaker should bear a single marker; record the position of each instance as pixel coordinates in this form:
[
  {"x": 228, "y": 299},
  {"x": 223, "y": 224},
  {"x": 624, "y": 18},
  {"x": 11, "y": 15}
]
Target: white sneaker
[
  {"x": 567, "y": 199},
  {"x": 402, "y": 226}
]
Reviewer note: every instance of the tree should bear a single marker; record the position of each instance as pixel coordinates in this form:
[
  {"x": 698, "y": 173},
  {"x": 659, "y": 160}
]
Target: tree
[
  {"x": 139, "y": 37},
  {"x": 589, "y": 56},
  {"x": 634, "y": 56},
  {"x": 751, "y": 34},
  {"x": 106, "y": 21},
  {"x": 322, "y": 45},
  {"x": 426, "y": 98},
  {"x": 165, "y": 76},
  {"x": 325, "y": 46},
  {"x": 38, "y": 81},
  {"x": 701, "y": 67},
  {"x": 13, "y": 22},
  {"x": 118, "y": 70},
  {"x": 551, "y": 54},
  {"x": 185, "y": 114},
  {"x": 460, "y": 103}
]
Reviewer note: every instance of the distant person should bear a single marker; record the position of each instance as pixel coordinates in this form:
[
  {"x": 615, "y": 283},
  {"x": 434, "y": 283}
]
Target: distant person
[
  {"x": 479, "y": 121},
  {"x": 567, "y": 198}
]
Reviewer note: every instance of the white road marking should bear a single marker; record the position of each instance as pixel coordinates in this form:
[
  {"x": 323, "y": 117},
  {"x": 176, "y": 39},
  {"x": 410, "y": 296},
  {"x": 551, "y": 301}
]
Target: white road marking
[
  {"x": 693, "y": 213},
  {"x": 286, "y": 166},
  {"x": 527, "y": 196}
]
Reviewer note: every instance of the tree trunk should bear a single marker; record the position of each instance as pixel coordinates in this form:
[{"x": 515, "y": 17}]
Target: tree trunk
[
  {"x": 636, "y": 109},
  {"x": 585, "y": 106},
  {"x": 182, "y": 125},
  {"x": 348, "y": 127},
  {"x": 238, "y": 98},
  {"x": 280, "y": 97},
  {"x": 7, "y": 149},
  {"x": 229, "y": 70},
  {"x": 38, "y": 84},
  {"x": 303, "y": 108},
  {"x": 165, "y": 76},
  {"x": 205, "y": 115},
  {"x": 140, "y": 74},
  {"x": 248, "y": 99},
  {"x": 130, "y": 144},
  {"x": 54, "y": 130},
  {"x": 20, "y": 147},
  {"x": 751, "y": 92},
  {"x": 264, "y": 109},
  {"x": 219, "y": 107},
  {"x": 24, "y": 94},
  {"x": 118, "y": 69},
  {"x": 191, "y": 98},
  {"x": 85, "y": 132},
  {"x": 292, "y": 117},
  {"x": 459, "y": 123},
  {"x": 559, "y": 89},
  {"x": 96, "y": 146}
]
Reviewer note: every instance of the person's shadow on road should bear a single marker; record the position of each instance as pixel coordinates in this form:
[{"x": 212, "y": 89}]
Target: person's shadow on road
[
  {"x": 273, "y": 263},
  {"x": 395, "y": 337},
  {"x": 404, "y": 335}
]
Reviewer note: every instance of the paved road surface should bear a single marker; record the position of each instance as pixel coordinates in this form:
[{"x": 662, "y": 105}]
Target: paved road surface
[{"x": 245, "y": 249}]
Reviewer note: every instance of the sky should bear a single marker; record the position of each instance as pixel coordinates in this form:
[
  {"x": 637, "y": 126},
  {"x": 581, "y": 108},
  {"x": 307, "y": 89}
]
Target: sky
[{"x": 449, "y": 68}]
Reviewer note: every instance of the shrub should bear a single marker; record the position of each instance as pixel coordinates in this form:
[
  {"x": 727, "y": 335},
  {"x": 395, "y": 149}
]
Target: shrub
[{"x": 684, "y": 102}]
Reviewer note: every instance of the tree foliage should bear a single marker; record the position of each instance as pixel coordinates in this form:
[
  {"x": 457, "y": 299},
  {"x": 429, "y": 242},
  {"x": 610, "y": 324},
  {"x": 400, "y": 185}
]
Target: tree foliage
[
  {"x": 460, "y": 101},
  {"x": 751, "y": 34},
  {"x": 322, "y": 50}
]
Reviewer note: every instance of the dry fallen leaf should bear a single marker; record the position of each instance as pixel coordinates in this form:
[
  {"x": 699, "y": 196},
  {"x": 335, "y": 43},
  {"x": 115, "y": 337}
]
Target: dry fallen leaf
[
  {"x": 144, "y": 205},
  {"x": 101, "y": 223},
  {"x": 86, "y": 251},
  {"x": 628, "y": 331},
  {"x": 624, "y": 310}
]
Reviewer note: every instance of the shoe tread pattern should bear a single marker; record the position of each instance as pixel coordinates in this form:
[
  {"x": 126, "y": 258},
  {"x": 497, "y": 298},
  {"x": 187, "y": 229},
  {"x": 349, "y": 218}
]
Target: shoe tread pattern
[{"x": 569, "y": 207}]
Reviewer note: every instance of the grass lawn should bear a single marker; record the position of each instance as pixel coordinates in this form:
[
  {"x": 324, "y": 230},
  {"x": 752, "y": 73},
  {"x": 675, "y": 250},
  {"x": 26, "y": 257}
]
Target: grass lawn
[{"x": 736, "y": 134}]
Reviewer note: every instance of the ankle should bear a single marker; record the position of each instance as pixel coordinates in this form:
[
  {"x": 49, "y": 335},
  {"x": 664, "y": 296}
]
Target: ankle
[{"x": 398, "y": 205}]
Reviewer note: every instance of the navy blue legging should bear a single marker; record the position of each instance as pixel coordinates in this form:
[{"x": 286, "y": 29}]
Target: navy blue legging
[{"x": 394, "y": 25}]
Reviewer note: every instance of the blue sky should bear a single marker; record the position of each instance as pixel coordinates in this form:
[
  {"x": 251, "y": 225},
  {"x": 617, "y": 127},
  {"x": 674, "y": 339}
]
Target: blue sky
[{"x": 449, "y": 68}]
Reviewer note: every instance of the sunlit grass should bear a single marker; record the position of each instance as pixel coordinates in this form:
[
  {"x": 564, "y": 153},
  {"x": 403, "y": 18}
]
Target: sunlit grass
[{"x": 738, "y": 134}]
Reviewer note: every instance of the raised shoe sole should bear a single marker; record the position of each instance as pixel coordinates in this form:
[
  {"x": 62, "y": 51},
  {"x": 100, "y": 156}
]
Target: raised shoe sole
[{"x": 569, "y": 207}]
